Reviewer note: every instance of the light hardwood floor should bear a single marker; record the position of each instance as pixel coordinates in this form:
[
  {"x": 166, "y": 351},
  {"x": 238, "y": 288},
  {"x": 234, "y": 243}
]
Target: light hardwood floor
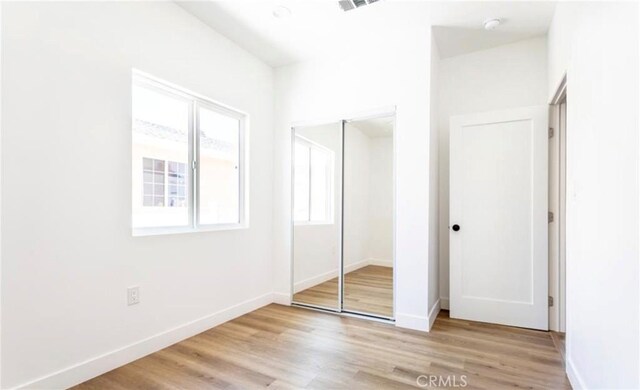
[
  {"x": 368, "y": 289},
  {"x": 283, "y": 347},
  {"x": 559, "y": 340}
]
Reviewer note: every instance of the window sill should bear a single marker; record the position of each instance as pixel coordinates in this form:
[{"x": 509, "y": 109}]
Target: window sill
[{"x": 163, "y": 231}]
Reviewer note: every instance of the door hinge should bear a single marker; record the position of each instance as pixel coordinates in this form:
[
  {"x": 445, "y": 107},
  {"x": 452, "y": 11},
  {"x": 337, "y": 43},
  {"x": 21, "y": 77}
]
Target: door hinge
[
  {"x": 551, "y": 132},
  {"x": 194, "y": 164},
  {"x": 550, "y": 301},
  {"x": 550, "y": 217}
]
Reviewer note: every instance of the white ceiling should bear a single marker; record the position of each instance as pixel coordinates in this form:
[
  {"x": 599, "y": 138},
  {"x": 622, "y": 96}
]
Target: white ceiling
[
  {"x": 316, "y": 28},
  {"x": 457, "y": 26},
  {"x": 375, "y": 127}
]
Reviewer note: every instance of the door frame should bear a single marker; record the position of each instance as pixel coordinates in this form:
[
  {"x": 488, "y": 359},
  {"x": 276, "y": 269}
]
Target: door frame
[
  {"x": 557, "y": 246},
  {"x": 387, "y": 111}
]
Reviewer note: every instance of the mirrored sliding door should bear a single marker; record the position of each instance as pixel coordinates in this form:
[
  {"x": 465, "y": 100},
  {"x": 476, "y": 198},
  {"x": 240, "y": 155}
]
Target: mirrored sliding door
[
  {"x": 368, "y": 217},
  {"x": 343, "y": 216},
  {"x": 317, "y": 197}
]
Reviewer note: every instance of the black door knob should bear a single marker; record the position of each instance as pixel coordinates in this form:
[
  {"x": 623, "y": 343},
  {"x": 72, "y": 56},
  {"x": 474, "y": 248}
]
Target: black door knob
[{"x": 455, "y": 227}]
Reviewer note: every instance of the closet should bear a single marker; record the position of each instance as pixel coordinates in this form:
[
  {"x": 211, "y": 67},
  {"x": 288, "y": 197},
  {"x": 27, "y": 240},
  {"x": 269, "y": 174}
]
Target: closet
[{"x": 343, "y": 216}]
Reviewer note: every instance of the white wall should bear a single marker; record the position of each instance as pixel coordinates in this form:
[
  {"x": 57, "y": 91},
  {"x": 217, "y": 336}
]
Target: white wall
[
  {"x": 68, "y": 254},
  {"x": 380, "y": 213},
  {"x": 508, "y": 76},
  {"x": 392, "y": 69},
  {"x": 355, "y": 223},
  {"x": 368, "y": 198},
  {"x": 597, "y": 45}
]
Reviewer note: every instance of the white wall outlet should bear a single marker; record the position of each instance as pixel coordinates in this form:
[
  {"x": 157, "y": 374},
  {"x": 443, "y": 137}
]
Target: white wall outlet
[{"x": 133, "y": 295}]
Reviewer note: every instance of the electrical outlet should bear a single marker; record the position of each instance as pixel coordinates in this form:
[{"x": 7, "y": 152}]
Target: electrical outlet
[{"x": 133, "y": 295}]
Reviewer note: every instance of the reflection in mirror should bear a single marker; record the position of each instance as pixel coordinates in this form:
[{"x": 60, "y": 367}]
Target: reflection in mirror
[
  {"x": 368, "y": 216},
  {"x": 317, "y": 154}
]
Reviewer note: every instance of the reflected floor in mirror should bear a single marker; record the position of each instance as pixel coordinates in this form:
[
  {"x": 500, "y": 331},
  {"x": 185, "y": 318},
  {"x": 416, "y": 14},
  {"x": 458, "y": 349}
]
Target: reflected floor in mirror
[{"x": 368, "y": 290}]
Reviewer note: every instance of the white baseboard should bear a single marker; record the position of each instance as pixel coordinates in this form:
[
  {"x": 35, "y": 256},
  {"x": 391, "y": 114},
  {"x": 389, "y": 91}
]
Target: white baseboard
[
  {"x": 574, "y": 377},
  {"x": 282, "y": 299},
  {"x": 433, "y": 313},
  {"x": 318, "y": 279},
  {"x": 444, "y": 303},
  {"x": 98, "y": 365},
  {"x": 355, "y": 266},
  {"x": 409, "y": 321},
  {"x": 381, "y": 262},
  {"x": 314, "y": 281}
]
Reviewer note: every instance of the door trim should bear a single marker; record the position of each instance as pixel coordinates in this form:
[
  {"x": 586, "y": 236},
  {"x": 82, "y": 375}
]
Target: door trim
[{"x": 557, "y": 264}]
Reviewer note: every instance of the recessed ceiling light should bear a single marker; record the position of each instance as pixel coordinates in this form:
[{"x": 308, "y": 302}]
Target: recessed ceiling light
[
  {"x": 491, "y": 24},
  {"x": 281, "y": 12}
]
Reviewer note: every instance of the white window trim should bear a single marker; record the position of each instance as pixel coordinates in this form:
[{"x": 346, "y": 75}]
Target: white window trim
[
  {"x": 330, "y": 185},
  {"x": 195, "y": 100}
]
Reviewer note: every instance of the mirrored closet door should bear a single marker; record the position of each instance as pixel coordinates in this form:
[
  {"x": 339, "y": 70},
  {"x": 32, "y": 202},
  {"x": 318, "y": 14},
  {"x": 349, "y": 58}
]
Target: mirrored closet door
[
  {"x": 368, "y": 217},
  {"x": 343, "y": 216},
  {"x": 317, "y": 201}
]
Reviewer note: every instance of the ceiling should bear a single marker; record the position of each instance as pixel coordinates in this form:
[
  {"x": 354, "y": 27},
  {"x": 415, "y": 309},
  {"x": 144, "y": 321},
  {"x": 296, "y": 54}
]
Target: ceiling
[
  {"x": 457, "y": 26},
  {"x": 375, "y": 127},
  {"x": 316, "y": 28}
]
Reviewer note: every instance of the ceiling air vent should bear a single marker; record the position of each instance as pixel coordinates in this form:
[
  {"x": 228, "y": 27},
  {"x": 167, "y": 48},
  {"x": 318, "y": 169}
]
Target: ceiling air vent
[{"x": 347, "y": 5}]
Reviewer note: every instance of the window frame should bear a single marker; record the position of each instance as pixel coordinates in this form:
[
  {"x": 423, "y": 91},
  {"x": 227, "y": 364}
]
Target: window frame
[
  {"x": 195, "y": 100},
  {"x": 330, "y": 211}
]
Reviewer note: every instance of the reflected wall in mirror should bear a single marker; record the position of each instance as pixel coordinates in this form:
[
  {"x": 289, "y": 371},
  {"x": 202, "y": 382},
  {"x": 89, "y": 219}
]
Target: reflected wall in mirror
[
  {"x": 317, "y": 189},
  {"x": 368, "y": 217}
]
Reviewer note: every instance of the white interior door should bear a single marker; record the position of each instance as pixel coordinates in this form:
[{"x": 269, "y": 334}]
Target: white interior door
[{"x": 498, "y": 217}]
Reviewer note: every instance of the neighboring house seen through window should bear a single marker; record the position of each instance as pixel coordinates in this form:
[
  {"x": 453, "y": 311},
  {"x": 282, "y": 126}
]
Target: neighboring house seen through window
[{"x": 159, "y": 175}]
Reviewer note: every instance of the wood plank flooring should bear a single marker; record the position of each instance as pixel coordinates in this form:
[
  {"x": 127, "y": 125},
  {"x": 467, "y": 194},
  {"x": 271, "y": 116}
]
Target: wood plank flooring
[
  {"x": 368, "y": 289},
  {"x": 559, "y": 340},
  {"x": 281, "y": 347}
]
